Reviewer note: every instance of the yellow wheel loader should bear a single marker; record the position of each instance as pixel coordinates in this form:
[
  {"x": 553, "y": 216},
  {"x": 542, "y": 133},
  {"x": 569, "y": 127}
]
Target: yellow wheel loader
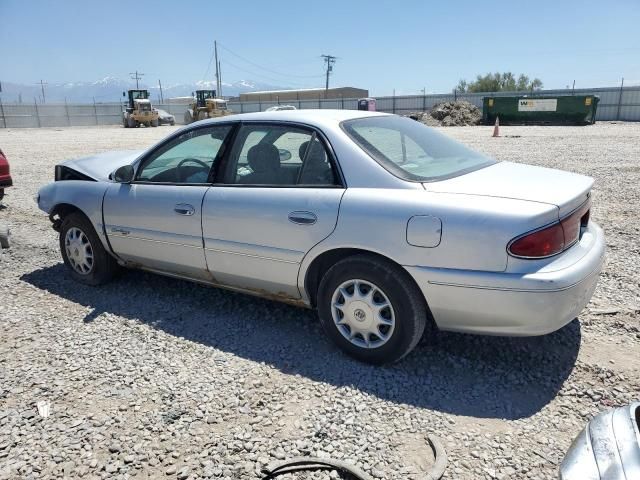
[
  {"x": 139, "y": 110},
  {"x": 205, "y": 105}
]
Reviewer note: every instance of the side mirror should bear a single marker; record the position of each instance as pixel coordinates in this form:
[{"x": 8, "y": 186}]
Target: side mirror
[
  {"x": 123, "y": 174},
  {"x": 124, "y": 94}
]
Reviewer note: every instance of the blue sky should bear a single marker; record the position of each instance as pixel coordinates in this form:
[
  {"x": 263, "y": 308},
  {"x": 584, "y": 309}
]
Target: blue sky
[{"x": 382, "y": 46}]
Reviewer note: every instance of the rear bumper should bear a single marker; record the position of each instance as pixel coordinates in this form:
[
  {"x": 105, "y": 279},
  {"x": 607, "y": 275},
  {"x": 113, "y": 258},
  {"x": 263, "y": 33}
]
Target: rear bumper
[
  {"x": 5, "y": 181},
  {"x": 513, "y": 304}
]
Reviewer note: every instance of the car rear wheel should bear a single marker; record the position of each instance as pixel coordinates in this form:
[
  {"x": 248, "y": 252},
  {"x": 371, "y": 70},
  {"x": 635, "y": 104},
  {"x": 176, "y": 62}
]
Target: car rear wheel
[
  {"x": 371, "y": 309},
  {"x": 83, "y": 253}
]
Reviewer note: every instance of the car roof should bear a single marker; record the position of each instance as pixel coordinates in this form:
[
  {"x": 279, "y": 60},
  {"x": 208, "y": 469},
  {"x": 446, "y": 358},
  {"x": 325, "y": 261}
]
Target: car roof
[{"x": 316, "y": 117}]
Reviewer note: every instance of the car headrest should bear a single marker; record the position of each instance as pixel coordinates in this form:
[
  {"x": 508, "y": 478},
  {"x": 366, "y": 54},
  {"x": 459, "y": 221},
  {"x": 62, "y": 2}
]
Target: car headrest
[
  {"x": 303, "y": 149},
  {"x": 316, "y": 154},
  {"x": 263, "y": 157}
]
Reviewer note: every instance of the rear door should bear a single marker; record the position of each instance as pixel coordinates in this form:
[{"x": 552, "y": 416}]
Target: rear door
[
  {"x": 156, "y": 221},
  {"x": 278, "y": 196}
]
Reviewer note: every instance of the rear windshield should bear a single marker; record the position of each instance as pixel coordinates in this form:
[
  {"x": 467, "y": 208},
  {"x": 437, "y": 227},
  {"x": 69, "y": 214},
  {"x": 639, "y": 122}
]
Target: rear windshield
[{"x": 411, "y": 150}]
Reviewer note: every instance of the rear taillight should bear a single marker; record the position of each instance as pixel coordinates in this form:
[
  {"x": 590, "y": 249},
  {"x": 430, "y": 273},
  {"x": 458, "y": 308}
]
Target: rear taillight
[
  {"x": 553, "y": 239},
  {"x": 542, "y": 243}
]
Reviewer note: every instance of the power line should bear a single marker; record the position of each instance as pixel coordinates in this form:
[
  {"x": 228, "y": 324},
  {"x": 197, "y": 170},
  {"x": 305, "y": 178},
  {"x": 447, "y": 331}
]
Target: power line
[
  {"x": 268, "y": 69},
  {"x": 227, "y": 62},
  {"x": 329, "y": 60},
  {"x": 136, "y": 76},
  {"x": 209, "y": 65}
]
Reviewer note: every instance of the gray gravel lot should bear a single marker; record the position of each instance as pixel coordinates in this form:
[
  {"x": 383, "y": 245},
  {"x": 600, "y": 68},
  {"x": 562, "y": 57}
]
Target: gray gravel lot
[{"x": 150, "y": 377}]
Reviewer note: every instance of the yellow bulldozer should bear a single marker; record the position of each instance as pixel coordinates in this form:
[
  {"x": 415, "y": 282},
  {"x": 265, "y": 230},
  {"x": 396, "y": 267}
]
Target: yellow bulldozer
[
  {"x": 139, "y": 111},
  {"x": 206, "y": 105}
]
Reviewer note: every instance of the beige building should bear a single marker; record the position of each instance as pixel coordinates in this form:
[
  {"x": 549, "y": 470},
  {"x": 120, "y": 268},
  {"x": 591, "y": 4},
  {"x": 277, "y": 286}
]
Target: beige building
[{"x": 304, "y": 94}]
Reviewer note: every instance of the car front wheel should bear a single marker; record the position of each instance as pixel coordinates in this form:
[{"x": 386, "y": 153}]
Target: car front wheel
[
  {"x": 83, "y": 253},
  {"x": 371, "y": 309}
]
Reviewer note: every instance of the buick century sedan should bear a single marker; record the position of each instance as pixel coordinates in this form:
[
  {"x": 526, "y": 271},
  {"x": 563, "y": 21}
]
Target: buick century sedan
[{"x": 385, "y": 226}]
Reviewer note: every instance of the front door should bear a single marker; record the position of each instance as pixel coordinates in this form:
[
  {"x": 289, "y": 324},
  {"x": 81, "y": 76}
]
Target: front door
[
  {"x": 278, "y": 197},
  {"x": 156, "y": 221}
]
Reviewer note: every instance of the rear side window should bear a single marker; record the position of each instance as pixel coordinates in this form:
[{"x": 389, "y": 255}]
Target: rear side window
[
  {"x": 279, "y": 155},
  {"x": 412, "y": 151}
]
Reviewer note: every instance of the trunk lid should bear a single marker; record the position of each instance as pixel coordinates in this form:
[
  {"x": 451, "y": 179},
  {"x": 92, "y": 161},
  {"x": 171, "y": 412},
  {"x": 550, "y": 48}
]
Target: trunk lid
[
  {"x": 101, "y": 165},
  {"x": 565, "y": 190}
]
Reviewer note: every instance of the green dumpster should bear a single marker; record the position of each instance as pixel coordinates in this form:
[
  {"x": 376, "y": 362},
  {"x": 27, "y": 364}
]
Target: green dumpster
[{"x": 543, "y": 110}]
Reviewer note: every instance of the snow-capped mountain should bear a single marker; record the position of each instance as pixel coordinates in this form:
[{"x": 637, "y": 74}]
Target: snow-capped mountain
[{"x": 109, "y": 89}]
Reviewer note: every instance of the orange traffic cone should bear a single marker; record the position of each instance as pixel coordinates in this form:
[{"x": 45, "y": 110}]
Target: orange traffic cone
[{"x": 496, "y": 128}]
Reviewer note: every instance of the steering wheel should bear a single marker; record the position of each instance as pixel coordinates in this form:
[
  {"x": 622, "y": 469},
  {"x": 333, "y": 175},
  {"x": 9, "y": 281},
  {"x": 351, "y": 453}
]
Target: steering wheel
[{"x": 187, "y": 160}]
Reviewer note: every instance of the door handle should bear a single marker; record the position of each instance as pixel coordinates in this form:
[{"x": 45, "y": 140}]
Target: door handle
[
  {"x": 184, "y": 209},
  {"x": 303, "y": 218}
]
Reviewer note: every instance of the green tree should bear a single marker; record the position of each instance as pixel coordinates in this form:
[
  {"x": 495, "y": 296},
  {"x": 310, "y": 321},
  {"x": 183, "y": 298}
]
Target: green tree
[{"x": 499, "y": 82}]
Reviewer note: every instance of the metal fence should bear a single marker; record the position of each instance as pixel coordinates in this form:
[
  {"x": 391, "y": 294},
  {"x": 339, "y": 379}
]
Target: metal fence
[
  {"x": 616, "y": 103},
  {"x": 20, "y": 115}
]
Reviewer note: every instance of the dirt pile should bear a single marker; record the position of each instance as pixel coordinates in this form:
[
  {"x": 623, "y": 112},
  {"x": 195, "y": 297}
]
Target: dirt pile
[{"x": 450, "y": 114}]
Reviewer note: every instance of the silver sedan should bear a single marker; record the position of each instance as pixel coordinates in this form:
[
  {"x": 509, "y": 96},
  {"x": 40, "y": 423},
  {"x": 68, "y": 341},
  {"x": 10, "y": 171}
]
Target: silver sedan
[{"x": 385, "y": 226}]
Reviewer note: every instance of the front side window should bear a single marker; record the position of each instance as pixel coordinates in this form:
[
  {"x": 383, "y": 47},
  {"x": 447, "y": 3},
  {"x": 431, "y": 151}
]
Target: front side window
[
  {"x": 411, "y": 150},
  {"x": 187, "y": 159},
  {"x": 277, "y": 155}
]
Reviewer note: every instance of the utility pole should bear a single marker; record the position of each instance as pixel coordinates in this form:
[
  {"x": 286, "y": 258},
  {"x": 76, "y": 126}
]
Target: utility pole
[
  {"x": 215, "y": 50},
  {"x": 42, "y": 84},
  {"x": 161, "y": 97},
  {"x": 329, "y": 60},
  {"x": 136, "y": 76}
]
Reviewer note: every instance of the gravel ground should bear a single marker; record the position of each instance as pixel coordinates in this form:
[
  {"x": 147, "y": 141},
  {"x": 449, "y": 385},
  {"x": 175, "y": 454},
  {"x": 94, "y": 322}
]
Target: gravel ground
[{"x": 150, "y": 377}]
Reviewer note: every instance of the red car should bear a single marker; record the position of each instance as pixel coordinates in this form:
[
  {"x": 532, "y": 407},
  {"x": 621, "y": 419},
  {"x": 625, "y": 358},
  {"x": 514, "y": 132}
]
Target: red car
[{"x": 5, "y": 175}]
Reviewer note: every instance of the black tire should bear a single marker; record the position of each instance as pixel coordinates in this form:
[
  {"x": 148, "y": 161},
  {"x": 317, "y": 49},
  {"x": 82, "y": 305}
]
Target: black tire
[
  {"x": 409, "y": 307},
  {"x": 5, "y": 241},
  {"x": 103, "y": 266}
]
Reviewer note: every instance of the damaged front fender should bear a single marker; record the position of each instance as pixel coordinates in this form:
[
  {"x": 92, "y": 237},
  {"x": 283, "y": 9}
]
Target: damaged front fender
[{"x": 56, "y": 198}]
